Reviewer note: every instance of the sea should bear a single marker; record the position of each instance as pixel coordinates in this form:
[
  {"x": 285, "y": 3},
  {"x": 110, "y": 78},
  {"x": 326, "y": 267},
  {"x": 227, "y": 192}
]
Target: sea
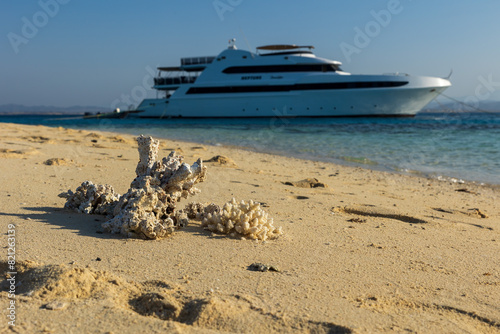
[{"x": 449, "y": 146}]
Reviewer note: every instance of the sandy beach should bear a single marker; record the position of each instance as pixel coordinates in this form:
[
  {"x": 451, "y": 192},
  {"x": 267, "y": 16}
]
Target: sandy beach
[{"x": 361, "y": 251}]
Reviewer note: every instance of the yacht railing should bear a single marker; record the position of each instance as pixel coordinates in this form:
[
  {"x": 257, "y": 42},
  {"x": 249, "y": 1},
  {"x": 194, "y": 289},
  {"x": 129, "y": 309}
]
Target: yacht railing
[
  {"x": 161, "y": 81},
  {"x": 196, "y": 61}
]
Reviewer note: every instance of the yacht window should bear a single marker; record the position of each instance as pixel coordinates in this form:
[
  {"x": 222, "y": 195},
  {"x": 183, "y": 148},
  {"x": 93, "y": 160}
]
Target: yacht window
[{"x": 281, "y": 68}]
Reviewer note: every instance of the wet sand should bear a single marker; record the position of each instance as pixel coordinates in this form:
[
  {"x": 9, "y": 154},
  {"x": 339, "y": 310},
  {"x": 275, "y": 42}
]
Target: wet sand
[{"x": 362, "y": 251}]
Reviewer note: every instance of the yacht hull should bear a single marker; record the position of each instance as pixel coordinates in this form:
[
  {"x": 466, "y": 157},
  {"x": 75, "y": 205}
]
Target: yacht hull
[{"x": 406, "y": 100}]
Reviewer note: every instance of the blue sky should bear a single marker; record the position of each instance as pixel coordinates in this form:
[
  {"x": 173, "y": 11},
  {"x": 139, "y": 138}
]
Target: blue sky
[{"x": 74, "y": 52}]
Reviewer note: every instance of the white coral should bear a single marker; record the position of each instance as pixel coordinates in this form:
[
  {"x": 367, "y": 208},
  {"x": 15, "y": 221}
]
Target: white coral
[
  {"x": 91, "y": 198},
  {"x": 195, "y": 210},
  {"x": 147, "y": 210},
  {"x": 142, "y": 213},
  {"x": 245, "y": 218},
  {"x": 148, "y": 153}
]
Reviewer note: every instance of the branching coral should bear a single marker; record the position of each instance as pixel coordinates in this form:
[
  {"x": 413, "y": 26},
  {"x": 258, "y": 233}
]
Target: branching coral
[
  {"x": 91, "y": 198},
  {"x": 245, "y": 219},
  {"x": 195, "y": 210},
  {"x": 148, "y": 209}
]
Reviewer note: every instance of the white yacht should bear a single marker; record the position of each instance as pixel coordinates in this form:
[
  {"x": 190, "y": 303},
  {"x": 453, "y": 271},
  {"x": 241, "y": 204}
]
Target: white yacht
[{"x": 282, "y": 81}]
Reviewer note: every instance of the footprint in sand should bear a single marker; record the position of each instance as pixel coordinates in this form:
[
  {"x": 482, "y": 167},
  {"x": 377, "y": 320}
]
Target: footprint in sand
[
  {"x": 221, "y": 160},
  {"x": 250, "y": 184},
  {"x": 94, "y": 135},
  {"x": 38, "y": 139},
  {"x": 58, "y": 162},
  {"x": 306, "y": 183},
  {"x": 298, "y": 197},
  {"x": 15, "y": 154},
  {"x": 120, "y": 139},
  {"x": 435, "y": 314},
  {"x": 374, "y": 211},
  {"x": 232, "y": 313},
  {"x": 474, "y": 212}
]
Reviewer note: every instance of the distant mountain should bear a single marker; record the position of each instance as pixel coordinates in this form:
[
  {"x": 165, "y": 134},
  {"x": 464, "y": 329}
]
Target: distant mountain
[
  {"x": 13, "y": 109},
  {"x": 489, "y": 106}
]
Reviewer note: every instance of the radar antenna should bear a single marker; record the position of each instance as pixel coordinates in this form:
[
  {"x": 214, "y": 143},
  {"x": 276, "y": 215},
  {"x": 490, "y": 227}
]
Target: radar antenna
[{"x": 232, "y": 44}]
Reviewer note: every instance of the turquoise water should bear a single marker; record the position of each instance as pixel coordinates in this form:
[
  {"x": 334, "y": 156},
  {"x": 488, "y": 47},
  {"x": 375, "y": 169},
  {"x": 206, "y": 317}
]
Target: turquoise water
[{"x": 464, "y": 146}]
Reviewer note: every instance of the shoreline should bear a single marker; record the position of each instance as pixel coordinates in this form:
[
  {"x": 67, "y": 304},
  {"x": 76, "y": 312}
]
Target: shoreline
[
  {"x": 347, "y": 162},
  {"x": 403, "y": 165},
  {"x": 431, "y": 176},
  {"x": 368, "y": 251}
]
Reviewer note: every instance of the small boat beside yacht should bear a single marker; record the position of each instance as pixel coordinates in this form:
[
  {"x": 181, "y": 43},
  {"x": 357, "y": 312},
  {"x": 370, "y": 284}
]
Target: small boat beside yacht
[{"x": 282, "y": 81}]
